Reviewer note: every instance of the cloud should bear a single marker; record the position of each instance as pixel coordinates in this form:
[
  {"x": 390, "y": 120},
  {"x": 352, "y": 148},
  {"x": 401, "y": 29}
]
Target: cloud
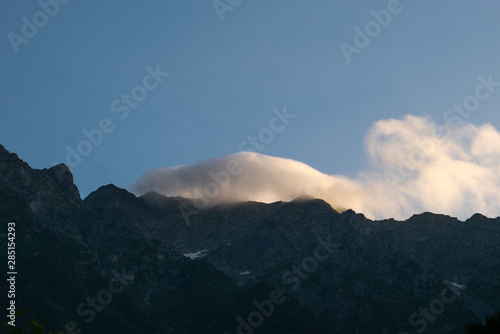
[{"x": 415, "y": 166}]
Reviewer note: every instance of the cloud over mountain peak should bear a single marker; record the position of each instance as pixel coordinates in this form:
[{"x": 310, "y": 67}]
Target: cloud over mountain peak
[{"x": 415, "y": 166}]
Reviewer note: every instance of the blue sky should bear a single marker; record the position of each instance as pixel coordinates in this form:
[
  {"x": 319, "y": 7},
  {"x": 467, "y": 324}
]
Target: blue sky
[{"x": 226, "y": 77}]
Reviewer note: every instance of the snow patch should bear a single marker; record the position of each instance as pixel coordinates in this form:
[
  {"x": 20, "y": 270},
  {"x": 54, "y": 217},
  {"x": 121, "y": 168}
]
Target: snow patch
[{"x": 196, "y": 255}]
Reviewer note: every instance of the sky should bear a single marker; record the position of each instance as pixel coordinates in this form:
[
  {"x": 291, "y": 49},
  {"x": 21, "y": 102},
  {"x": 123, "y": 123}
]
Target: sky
[{"x": 135, "y": 86}]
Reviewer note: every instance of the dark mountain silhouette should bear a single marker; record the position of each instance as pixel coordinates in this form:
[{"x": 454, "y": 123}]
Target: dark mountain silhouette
[{"x": 114, "y": 263}]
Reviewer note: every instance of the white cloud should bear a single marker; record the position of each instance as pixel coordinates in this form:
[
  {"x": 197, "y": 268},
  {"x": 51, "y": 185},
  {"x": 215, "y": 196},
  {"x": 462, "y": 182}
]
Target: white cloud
[{"x": 416, "y": 166}]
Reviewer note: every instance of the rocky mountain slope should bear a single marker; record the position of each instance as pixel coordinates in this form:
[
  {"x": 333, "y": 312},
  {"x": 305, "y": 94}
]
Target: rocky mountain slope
[{"x": 117, "y": 263}]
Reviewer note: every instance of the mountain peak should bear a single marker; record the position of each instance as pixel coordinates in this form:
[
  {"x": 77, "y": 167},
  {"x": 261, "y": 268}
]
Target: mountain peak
[
  {"x": 8, "y": 157},
  {"x": 61, "y": 175},
  {"x": 3, "y": 150},
  {"x": 110, "y": 191},
  {"x": 304, "y": 198}
]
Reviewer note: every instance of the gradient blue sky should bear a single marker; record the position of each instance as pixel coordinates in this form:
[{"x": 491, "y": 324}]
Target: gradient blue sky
[{"x": 227, "y": 76}]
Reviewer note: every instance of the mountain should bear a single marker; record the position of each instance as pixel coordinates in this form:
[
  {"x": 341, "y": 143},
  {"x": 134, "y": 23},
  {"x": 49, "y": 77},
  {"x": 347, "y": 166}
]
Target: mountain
[{"x": 117, "y": 263}]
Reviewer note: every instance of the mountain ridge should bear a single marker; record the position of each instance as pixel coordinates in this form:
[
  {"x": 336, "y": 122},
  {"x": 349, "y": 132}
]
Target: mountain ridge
[{"x": 376, "y": 270}]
